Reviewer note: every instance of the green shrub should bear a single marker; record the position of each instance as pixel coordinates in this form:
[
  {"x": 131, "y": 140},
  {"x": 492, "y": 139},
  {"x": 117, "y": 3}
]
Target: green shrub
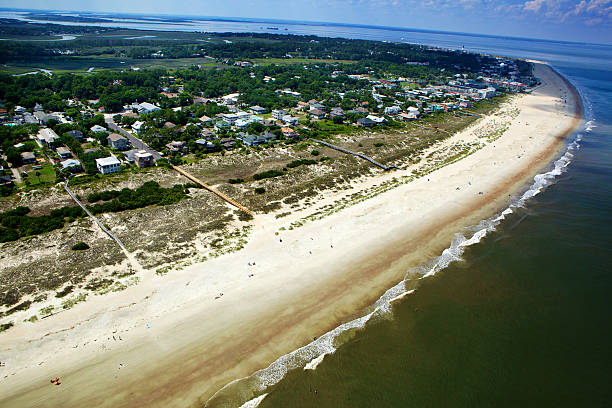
[
  {"x": 300, "y": 162},
  {"x": 315, "y": 153},
  {"x": 235, "y": 181},
  {"x": 268, "y": 174},
  {"x": 81, "y": 246},
  {"x": 260, "y": 190}
]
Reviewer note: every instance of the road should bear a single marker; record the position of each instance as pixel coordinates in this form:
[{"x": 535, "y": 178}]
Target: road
[{"x": 136, "y": 142}]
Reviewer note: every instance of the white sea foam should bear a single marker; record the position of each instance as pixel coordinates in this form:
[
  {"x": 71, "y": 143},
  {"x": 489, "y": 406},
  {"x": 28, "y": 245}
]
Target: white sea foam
[
  {"x": 311, "y": 355},
  {"x": 254, "y": 403}
]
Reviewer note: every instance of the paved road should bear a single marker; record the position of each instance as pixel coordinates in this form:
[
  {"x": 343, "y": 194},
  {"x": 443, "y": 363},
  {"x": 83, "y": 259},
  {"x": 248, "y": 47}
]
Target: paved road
[{"x": 136, "y": 142}]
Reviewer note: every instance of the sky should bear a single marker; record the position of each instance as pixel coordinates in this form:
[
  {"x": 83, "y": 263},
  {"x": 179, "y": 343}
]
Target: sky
[{"x": 583, "y": 21}]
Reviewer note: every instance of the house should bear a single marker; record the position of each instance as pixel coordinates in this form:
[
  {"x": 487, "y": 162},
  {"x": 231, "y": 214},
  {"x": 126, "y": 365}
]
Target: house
[
  {"x": 407, "y": 116},
  {"x": 116, "y": 141},
  {"x": 28, "y": 158},
  {"x": 250, "y": 140},
  {"x": 228, "y": 143},
  {"x": 268, "y": 122},
  {"x": 108, "y": 165},
  {"x": 289, "y": 133},
  {"x": 302, "y": 105},
  {"x": 19, "y": 110},
  {"x": 97, "y": 128},
  {"x": 487, "y": 93},
  {"x": 242, "y": 123},
  {"x": 41, "y": 117},
  {"x": 176, "y": 146},
  {"x": 169, "y": 125},
  {"x": 376, "y": 119},
  {"x": 279, "y": 113},
  {"x": 129, "y": 155},
  {"x": 207, "y": 134},
  {"x": 205, "y": 119},
  {"x": 290, "y": 120},
  {"x": 48, "y": 136},
  {"x": 365, "y": 122},
  {"x": 207, "y": 145},
  {"x": 269, "y": 137},
  {"x": 221, "y": 125},
  {"x": 146, "y": 107},
  {"x": 138, "y": 126},
  {"x": 337, "y": 113},
  {"x": 392, "y": 110},
  {"x": 76, "y": 134},
  {"x": 202, "y": 101},
  {"x": 258, "y": 110},
  {"x": 143, "y": 159},
  {"x": 317, "y": 114},
  {"x": 63, "y": 152},
  {"x": 71, "y": 164}
]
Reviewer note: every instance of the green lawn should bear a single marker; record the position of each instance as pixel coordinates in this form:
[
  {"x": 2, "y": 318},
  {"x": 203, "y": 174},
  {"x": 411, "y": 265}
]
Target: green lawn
[{"x": 285, "y": 61}]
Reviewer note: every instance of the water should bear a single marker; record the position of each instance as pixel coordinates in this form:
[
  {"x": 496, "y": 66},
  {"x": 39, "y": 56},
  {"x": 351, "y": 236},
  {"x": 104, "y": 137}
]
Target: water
[
  {"x": 523, "y": 316},
  {"x": 517, "y": 312}
]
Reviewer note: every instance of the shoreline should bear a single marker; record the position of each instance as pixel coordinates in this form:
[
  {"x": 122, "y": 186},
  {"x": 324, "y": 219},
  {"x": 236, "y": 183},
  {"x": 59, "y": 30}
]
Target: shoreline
[{"x": 196, "y": 346}]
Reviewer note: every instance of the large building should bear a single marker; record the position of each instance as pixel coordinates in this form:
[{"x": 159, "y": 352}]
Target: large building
[
  {"x": 108, "y": 165},
  {"x": 143, "y": 159}
]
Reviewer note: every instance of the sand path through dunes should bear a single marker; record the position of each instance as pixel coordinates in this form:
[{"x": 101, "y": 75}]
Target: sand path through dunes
[{"x": 180, "y": 344}]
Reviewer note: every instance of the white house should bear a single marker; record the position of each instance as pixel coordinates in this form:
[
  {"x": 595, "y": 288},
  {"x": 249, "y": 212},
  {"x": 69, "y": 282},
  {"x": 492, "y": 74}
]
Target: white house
[
  {"x": 376, "y": 119},
  {"x": 137, "y": 126},
  {"x": 147, "y": 107},
  {"x": 98, "y": 128},
  {"x": 392, "y": 110},
  {"x": 290, "y": 120},
  {"x": 108, "y": 165},
  {"x": 278, "y": 113}
]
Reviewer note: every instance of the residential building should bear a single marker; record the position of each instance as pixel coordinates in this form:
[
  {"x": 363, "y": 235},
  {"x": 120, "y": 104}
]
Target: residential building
[
  {"x": 258, "y": 110},
  {"x": 289, "y": 133},
  {"x": 98, "y": 128},
  {"x": 48, "y": 136},
  {"x": 108, "y": 165},
  {"x": 71, "y": 164},
  {"x": 28, "y": 158},
  {"x": 317, "y": 114},
  {"x": 205, "y": 119},
  {"x": 146, "y": 107},
  {"x": 76, "y": 134},
  {"x": 143, "y": 159},
  {"x": 392, "y": 110},
  {"x": 138, "y": 126},
  {"x": 176, "y": 146},
  {"x": 290, "y": 120},
  {"x": 228, "y": 143},
  {"x": 376, "y": 119},
  {"x": 365, "y": 122},
  {"x": 279, "y": 113},
  {"x": 63, "y": 152},
  {"x": 116, "y": 141},
  {"x": 337, "y": 113}
]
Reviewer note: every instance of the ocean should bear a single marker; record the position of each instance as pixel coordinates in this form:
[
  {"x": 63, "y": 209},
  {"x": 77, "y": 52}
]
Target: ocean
[{"x": 517, "y": 312}]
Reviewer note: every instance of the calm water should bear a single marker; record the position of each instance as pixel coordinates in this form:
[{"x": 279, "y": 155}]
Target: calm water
[{"x": 523, "y": 319}]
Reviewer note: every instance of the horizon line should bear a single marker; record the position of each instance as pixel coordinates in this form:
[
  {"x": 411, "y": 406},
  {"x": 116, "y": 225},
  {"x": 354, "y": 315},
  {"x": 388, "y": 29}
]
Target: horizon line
[{"x": 300, "y": 22}]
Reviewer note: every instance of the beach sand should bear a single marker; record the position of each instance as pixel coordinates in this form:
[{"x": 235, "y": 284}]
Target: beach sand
[{"x": 173, "y": 341}]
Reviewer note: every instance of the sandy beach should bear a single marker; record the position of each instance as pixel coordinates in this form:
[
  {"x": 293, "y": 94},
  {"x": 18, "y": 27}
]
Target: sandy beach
[{"x": 174, "y": 340}]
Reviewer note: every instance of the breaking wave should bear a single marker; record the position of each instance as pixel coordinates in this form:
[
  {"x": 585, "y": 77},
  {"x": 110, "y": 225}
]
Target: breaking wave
[{"x": 312, "y": 354}]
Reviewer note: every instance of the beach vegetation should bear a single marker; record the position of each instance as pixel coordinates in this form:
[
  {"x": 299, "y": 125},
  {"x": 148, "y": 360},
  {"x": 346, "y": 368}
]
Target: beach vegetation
[
  {"x": 268, "y": 174},
  {"x": 81, "y": 246}
]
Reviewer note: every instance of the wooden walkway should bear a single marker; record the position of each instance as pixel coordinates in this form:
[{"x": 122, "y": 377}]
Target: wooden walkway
[
  {"x": 363, "y": 156},
  {"x": 127, "y": 253},
  {"x": 212, "y": 190}
]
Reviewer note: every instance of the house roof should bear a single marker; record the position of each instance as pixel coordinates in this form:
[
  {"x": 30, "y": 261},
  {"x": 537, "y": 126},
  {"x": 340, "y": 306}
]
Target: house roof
[
  {"x": 113, "y": 137},
  {"x": 70, "y": 163},
  {"x": 107, "y": 161}
]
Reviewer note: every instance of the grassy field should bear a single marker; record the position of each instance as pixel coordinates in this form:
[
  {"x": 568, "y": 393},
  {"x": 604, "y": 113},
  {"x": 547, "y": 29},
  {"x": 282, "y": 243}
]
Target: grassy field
[
  {"x": 103, "y": 62},
  {"x": 285, "y": 61}
]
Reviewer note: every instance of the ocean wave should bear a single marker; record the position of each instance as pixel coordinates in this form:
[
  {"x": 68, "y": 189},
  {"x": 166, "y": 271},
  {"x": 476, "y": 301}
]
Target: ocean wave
[{"x": 310, "y": 356}]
